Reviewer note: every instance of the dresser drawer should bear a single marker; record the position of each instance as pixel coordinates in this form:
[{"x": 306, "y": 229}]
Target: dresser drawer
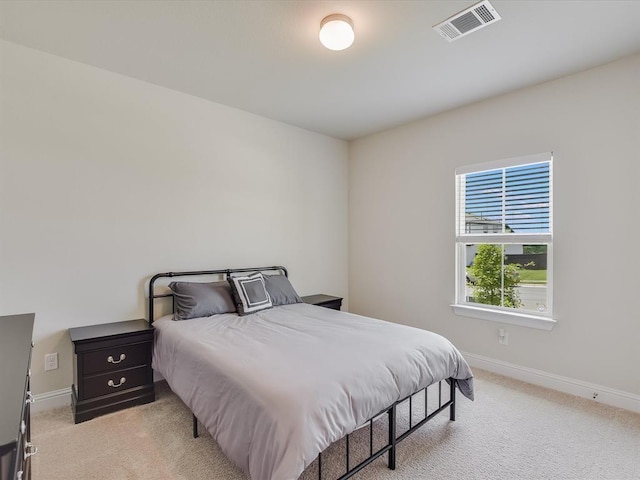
[
  {"x": 115, "y": 358},
  {"x": 115, "y": 382},
  {"x": 23, "y": 465}
]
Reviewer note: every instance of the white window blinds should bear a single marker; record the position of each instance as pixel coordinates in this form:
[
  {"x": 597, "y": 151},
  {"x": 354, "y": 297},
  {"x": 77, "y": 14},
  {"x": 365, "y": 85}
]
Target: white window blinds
[{"x": 510, "y": 202}]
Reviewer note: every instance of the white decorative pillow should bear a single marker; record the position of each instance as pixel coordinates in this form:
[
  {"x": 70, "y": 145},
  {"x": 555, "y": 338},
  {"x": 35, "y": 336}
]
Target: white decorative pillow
[{"x": 250, "y": 294}]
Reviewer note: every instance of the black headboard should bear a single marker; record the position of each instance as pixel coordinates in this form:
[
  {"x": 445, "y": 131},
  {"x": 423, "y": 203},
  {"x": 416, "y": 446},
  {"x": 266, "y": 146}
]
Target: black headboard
[{"x": 226, "y": 272}]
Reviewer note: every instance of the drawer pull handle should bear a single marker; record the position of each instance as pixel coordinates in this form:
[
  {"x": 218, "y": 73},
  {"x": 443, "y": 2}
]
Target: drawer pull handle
[
  {"x": 19, "y": 475},
  {"x": 29, "y": 398},
  {"x": 23, "y": 427},
  {"x": 111, "y": 360},
  {"x": 30, "y": 450},
  {"x": 111, "y": 384}
]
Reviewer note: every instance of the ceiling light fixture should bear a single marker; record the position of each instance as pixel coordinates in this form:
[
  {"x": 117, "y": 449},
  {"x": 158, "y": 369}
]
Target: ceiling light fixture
[{"x": 336, "y": 32}]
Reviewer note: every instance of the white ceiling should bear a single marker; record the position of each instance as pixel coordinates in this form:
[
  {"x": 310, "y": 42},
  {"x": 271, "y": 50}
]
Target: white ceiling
[{"x": 264, "y": 57}]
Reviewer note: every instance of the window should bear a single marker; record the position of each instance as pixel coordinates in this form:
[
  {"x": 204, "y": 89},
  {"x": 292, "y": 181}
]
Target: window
[{"x": 504, "y": 228}]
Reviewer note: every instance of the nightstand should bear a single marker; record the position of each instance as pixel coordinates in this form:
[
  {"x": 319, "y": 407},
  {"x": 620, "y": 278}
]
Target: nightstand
[
  {"x": 112, "y": 368},
  {"x": 322, "y": 300}
]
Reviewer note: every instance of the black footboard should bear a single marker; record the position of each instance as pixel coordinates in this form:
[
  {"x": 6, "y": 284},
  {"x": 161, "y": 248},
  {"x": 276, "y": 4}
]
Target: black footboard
[{"x": 393, "y": 438}]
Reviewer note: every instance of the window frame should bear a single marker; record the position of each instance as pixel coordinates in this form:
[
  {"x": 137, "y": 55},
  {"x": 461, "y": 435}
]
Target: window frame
[{"x": 541, "y": 321}]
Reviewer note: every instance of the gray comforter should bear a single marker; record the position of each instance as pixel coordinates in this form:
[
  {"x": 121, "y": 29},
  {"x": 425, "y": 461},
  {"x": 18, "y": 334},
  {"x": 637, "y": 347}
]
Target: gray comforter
[{"x": 277, "y": 387}]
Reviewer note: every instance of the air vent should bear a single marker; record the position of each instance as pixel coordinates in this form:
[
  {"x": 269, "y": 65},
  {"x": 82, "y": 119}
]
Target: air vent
[{"x": 467, "y": 21}]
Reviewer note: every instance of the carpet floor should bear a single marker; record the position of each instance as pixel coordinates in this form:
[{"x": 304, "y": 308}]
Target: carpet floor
[{"x": 512, "y": 431}]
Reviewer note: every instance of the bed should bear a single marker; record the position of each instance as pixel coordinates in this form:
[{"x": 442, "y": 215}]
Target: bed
[{"x": 276, "y": 386}]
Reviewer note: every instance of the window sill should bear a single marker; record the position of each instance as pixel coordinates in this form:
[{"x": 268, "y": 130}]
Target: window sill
[{"x": 510, "y": 318}]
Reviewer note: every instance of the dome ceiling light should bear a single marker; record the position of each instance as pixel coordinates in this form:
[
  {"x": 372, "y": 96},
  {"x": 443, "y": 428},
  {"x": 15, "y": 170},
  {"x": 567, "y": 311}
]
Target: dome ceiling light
[{"x": 336, "y": 32}]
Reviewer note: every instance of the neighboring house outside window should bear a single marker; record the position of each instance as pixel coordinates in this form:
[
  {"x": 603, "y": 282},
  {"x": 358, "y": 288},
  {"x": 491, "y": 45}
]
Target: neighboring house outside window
[
  {"x": 504, "y": 240},
  {"x": 477, "y": 224}
]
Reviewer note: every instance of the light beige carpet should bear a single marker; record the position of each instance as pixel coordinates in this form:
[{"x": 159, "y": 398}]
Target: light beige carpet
[{"x": 512, "y": 431}]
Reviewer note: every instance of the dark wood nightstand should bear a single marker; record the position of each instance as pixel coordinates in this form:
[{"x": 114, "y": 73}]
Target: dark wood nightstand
[
  {"x": 322, "y": 300},
  {"x": 112, "y": 370}
]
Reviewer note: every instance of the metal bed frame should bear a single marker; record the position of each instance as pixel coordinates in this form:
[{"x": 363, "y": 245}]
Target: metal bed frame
[{"x": 391, "y": 411}]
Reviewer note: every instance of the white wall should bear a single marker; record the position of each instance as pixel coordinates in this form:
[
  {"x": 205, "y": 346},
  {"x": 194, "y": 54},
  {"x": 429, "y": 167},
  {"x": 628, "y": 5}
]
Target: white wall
[
  {"x": 401, "y": 229},
  {"x": 106, "y": 180}
]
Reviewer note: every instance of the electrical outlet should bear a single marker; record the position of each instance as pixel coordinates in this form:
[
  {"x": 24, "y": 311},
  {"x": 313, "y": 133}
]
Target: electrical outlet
[
  {"x": 503, "y": 337},
  {"x": 50, "y": 361}
]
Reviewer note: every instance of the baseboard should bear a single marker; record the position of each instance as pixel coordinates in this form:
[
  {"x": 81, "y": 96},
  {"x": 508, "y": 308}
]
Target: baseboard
[
  {"x": 51, "y": 400},
  {"x": 598, "y": 393}
]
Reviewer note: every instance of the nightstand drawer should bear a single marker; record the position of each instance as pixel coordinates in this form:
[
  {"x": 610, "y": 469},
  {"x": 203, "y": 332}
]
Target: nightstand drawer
[
  {"x": 333, "y": 304},
  {"x": 115, "y": 358},
  {"x": 115, "y": 382}
]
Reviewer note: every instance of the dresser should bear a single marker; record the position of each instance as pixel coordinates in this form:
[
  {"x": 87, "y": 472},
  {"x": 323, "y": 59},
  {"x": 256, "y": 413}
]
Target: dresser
[
  {"x": 112, "y": 368},
  {"x": 16, "y": 333},
  {"x": 323, "y": 300}
]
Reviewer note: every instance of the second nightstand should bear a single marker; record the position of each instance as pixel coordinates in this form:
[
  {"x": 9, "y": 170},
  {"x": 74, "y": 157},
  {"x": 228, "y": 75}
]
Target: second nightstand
[
  {"x": 112, "y": 370},
  {"x": 322, "y": 300}
]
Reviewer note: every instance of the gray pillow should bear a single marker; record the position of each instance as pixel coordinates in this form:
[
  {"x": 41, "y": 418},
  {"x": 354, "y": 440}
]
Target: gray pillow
[
  {"x": 280, "y": 290},
  {"x": 250, "y": 294},
  {"x": 194, "y": 299}
]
